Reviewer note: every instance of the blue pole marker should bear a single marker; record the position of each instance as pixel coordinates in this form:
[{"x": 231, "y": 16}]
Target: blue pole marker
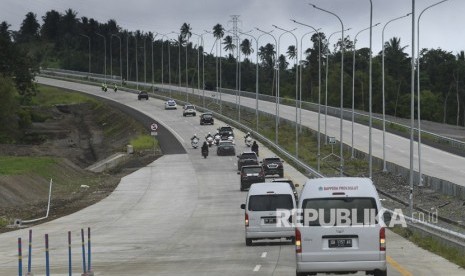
[
  {"x": 83, "y": 252},
  {"x": 47, "y": 260},
  {"x": 30, "y": 252},
  {"x": 70, "y": 269},
  {"x": 88, "y": 250},
  {"x": 20, "y": 258}
]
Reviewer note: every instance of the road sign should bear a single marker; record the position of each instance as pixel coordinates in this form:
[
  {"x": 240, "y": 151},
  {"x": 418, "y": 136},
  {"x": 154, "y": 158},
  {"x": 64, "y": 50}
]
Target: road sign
[
  {"x": 153, "y": 133},
  {"x": 332, "y": 140},
  {"x": 154, "y": 126}
]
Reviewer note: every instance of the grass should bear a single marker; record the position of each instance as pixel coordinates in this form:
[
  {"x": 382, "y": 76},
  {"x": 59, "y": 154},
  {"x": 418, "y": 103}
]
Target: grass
[
  {"x": 10, "y": 165},
  {"x": 433, "y": 245},
  {"x": 49, "y": 96},
  {"x": 143, "y": 142}
]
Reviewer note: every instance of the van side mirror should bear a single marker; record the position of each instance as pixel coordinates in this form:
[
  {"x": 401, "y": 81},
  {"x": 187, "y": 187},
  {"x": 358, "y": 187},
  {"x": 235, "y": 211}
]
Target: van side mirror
[
  {"x": 238, "y": 173},
  {"x": 243, "y": 206}
]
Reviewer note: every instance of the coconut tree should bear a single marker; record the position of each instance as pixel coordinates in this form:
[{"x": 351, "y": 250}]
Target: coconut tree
[
  {"x": 186, "y": 34},
  {"x": 246, "y": 47},
  {"x": 291, "y": 52},
  {"x": 229, "y": 44},
  {"x": 218, "y": 33}
]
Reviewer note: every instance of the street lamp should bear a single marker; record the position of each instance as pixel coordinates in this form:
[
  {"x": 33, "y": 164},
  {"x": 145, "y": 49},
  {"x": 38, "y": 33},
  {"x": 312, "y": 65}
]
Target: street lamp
[
  {"x": 89, "y": 49},
  {"x": 162, "y": 61},
  {"x": 297, "y": 100},
  {"x": 137, "y": 65},
  {"x": 153, "y": 81},
  {"x": 412, "y": 111},
  {"x": 276, "y": 68},
  {"x": 383, "y": 96},
  {"x": 353, "y": 87},
  {"x": 256, "y": 75},
  {"x": 200, "y": 36},
  {"x": 105, "y": 53},
  {"x": 120, "y": 60},
  {"x": 319, "y": 89},
  {"x": 418, "y": 90},
  {"x": 342, "y": 86}
]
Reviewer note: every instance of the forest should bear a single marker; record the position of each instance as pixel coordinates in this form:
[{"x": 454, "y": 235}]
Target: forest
[{"x": 66, "y": 41}]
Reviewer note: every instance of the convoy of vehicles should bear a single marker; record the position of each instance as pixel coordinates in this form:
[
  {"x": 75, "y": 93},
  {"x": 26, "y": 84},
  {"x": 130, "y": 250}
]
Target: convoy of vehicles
[{"x": 343, "y": 247}]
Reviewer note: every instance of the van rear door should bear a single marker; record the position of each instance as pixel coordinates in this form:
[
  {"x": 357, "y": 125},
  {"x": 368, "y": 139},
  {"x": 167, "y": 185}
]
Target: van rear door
[
  {"x": 262, "y": 210},
  {"x": 345, "y": 230}
]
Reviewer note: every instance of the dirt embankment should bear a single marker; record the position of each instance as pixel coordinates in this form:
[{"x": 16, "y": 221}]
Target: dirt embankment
[{"x": 75, "y": 136}]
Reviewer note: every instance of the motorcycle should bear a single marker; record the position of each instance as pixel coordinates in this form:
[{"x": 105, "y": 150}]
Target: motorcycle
[
  {"x": 195, "y": 143},
  {"x": 248, "y": 141},
  {"x": 209, "y": 141},
  {"x": 217, "y": 139},
  {"x": 204, "y": 153},
  {"x": 115, "y": 89}
]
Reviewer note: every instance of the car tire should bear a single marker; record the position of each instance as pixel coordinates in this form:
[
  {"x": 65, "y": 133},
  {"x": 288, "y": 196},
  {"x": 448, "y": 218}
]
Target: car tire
[
  {"x": 248, "y": 242},
  {"x": 281, "y": 174},
  {"x": 380, "y": 273},
  {"x": 194, "y": 115}
]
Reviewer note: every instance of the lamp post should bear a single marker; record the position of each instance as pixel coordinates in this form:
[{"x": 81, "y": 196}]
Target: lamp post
[
  {"x": 383, "y": 93},
  {"x": 342, "y": 86},
  {"x": 256, "y": 75},
  {"x": 412, "y": 111},
  {"x": 319, "y": 90},
  {"x": 203, "y": 66},
  {"x": 199, "y": 37},
  {"x": 145, "y": 63},
  {"x": 353, "y": 87},
  {"x": 420, "y": 178},
  {"x": 153, "y": 88},
  {"x": 276, "y": 68},
  {"x": 105, "y": 53},
  {"x": 162, "y": 61},
  {"x": 137, "y": 65},
  {"x": 297, "y": 100},
  {"x": 127, "y": 57},
  {"x": 120, "y": 60},
  {"x": 89, "y": 49}
]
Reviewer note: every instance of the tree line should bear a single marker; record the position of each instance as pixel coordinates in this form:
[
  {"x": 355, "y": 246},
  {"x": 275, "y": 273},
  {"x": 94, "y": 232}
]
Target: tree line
[{"x": 64, "y": 40}]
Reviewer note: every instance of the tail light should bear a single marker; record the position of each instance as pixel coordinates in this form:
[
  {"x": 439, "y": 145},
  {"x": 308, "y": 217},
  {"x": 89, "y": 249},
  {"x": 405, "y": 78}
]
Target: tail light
[
  {"x": 382, "y": 239},
  {"x": 262, "y": 174},
  {"x": 298, "y": 241},
  {"x": 246, "y": 220}
]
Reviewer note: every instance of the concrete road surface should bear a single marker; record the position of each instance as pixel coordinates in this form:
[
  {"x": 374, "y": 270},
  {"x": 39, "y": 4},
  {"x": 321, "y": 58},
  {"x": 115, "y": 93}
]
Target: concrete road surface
[{"x": 180, "y": 216}]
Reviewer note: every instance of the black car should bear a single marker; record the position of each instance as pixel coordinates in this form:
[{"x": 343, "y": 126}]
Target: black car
[
  {"x": 226, "y": 131},
  {"x": 142, "y": 95},
  {"x": 249, "y": 175},
  {"x": 207, "y": 119},
  {"x": 225, "y": 148},
  {"x": 272, "y": 166},
  {"x": 291, "y": 184},
  {"x": 246, "y": 158}
]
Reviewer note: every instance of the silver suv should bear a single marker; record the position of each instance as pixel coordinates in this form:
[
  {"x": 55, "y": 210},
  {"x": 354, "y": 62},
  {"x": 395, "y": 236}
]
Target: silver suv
[{"x": 188, "y": 109}]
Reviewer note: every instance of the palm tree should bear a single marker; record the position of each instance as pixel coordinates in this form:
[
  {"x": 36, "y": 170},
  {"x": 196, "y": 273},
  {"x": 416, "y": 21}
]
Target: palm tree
[
  {"x": 229, "y": 44},
  {"x": 186, "y": 34},
  {"x": 267, "y": 55},
  {"x": 218, "y": 33},
  {"x": 246, "y": 47},
  {"x": 282, "y": 63},
  {"x": 291, "y": 52}
]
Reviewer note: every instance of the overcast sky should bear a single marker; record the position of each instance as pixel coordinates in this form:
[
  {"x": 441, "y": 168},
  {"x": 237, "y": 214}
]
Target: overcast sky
[{"x": 440, "y": 27}]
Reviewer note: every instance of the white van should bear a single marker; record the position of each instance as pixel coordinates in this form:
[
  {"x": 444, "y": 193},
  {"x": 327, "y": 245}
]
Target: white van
[
  {"x": 263, "y": 202},
  {"x": 339, "y": 231}
]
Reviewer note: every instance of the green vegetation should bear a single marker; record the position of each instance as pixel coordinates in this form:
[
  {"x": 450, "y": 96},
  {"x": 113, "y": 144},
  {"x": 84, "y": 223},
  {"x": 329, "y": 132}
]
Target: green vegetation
[
  {"x": 144, "y": 142},
  {"x": 433, "y": 245},
  {"x": 11, "y": 165},
  {"x": 49, "y": 96}
]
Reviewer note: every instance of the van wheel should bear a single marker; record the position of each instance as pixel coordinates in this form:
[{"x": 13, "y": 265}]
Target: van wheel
[
  {"x": 248, "y": 242},
  {"x": 304, "y": 273},
  {"x": 380, "y": 273},
  {"x": 292, "y": 240}
]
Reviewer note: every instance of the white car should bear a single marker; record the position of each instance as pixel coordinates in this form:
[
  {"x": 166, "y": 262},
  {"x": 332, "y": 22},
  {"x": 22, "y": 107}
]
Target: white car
[
  {"x": 264, "y": 200},
  {"x": 171, "y": 104},
  {"x": 188, "y": 109},
  {"x": 342, "y": 230}
]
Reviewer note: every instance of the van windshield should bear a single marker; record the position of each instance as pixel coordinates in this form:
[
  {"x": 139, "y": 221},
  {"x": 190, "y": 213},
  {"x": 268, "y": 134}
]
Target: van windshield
[
  {"x": 270, "y": 202},
  {"x": 252, "y": 170},
  {"x": 339, "y": 211}
]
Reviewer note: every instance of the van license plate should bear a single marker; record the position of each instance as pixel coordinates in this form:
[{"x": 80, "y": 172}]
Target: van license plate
[
  {"x": 269, "y": 220},
  {"x": 335, "y": 243}
]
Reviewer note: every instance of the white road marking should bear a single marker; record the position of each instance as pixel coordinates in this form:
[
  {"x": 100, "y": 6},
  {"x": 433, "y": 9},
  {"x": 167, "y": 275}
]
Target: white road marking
[
  {"x": 257, "y": 268},
  {"x": 264, "y": 254}
]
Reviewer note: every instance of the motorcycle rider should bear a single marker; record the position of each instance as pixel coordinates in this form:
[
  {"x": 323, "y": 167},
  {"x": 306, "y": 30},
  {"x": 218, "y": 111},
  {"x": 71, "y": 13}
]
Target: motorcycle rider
[
  {"x": 115, "y": 88},
  {"x": 255, "y": 147},
  {"x": 247, "y": 136},
  {"x": 204, "y": 150},
  {"x": 194, "y": 137},
  {"x": 208, "y": 135}
]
